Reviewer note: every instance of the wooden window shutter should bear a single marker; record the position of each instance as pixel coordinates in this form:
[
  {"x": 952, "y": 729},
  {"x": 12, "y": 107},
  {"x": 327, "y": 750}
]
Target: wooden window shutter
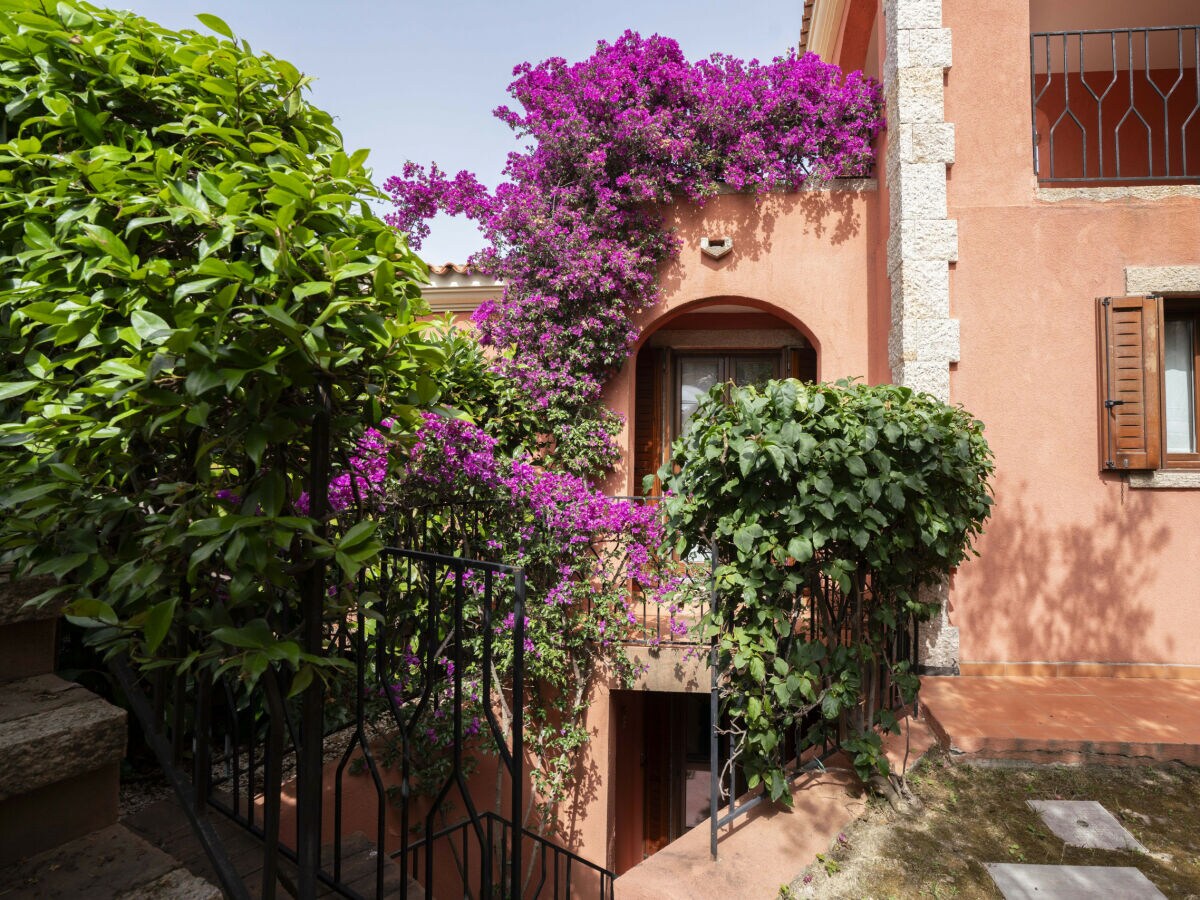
[
  {"x": 1128, "y": 330},
  {"x": 649, "y": 416},
  {"x": 801, "y": 363}
]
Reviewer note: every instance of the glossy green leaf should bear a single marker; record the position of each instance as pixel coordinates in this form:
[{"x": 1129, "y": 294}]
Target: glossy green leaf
[
  {"x": 11, "y": 389},
  {"x": 158, "y": 623},
  {"x": 149, "y": 326}
]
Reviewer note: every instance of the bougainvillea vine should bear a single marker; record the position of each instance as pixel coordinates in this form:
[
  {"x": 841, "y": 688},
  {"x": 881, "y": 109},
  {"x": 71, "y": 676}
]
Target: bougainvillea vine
[
  {"x": 576, "y": 231},
  {"x": 579, "y": 549}
]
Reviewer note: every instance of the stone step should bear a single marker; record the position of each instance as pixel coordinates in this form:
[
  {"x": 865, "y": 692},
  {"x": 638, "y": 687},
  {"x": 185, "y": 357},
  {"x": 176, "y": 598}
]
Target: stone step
[
  {"x": 60, "y": 754},
  {"x": 27, "y": 634},
  {"x": 165, "y": 825},
  {"x": 110, "y": 864},
  {"x": 359, "y": 868},
  {"x": 15, "y": 595}
]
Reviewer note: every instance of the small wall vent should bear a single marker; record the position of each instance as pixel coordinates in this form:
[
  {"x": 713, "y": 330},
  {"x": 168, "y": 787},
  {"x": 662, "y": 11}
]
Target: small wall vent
[{"x": 715, "y": 247}]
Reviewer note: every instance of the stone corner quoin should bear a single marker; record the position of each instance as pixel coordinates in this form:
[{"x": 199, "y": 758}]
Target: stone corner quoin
[{"x": 923, "y": 340}]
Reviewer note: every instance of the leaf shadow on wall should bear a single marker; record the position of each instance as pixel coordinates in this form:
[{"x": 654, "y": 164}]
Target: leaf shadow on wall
[
  {"x": 585, "y": 789},
  {"x": 832, "y": 215},
  {"x": 1074, "y": 593}
]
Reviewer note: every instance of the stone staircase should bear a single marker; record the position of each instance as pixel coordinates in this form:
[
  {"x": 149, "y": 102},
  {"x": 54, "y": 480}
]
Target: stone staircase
[
  {"x": 60, "y": 755},
  {"x": 163, "y": 824}
]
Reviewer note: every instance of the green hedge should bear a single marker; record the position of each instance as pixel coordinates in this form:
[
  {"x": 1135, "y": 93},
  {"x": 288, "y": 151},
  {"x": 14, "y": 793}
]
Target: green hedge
[
  {"x": 186, "y": 253},
  {"x": 876, "y": 489}
]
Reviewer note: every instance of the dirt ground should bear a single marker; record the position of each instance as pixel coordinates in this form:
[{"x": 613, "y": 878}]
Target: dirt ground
[{"x": 974, "y": 815}]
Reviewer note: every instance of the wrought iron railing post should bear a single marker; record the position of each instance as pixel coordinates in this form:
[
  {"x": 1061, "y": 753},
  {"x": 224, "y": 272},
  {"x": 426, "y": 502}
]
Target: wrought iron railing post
[
  {"x": 518, "y": 728},
  {"x": 714, "y": 707},
  {"x": 201, "y": 739},
  {"x": 272, "y": 784},
  {"x": 310, "y": 753}
]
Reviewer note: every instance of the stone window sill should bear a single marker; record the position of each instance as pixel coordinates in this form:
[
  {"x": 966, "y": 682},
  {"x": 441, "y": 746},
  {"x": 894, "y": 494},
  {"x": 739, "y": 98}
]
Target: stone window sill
[
  {"x": 1126, "y": 192},
  {"x": 1166, "y": 478}
]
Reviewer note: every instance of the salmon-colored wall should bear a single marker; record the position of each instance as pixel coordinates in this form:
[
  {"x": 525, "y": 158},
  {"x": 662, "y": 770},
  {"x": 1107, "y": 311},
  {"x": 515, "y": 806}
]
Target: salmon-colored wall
[
  {"x": 810, "y": 259},
  {"x": 807, "y": 257},
  {"x": 1075, "y": 565}
]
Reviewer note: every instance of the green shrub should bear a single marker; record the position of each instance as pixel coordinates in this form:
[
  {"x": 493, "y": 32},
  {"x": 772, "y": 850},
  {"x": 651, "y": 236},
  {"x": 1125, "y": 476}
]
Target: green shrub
[
  {"x": 187, "y": 262},
  {"x": 874, "y": 491}
]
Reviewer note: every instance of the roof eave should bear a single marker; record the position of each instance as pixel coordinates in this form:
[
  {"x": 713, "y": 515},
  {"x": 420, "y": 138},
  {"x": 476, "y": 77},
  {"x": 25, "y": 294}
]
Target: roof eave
[{"x": 821, "y": 29}]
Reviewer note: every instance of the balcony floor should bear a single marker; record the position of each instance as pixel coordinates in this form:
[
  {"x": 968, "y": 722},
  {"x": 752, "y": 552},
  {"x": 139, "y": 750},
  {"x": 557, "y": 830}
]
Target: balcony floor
[{"x": 1073, "y": 720}]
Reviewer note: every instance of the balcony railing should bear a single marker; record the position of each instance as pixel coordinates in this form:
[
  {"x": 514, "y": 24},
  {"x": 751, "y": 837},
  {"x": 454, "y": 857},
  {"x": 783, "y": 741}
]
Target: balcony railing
[
  {"x": 1116, "y": 106},
  {"x": 468, "y": 528}
]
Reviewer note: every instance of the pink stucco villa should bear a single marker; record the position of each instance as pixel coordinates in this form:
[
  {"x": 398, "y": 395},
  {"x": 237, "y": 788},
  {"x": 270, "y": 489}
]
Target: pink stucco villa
[{"x": 1029, "y": 247}]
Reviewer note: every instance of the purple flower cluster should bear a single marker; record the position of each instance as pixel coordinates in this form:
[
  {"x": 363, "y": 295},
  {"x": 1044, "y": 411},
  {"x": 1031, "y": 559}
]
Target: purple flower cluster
[
  {"x": 584, "y": 546},
  {"x": 576, "y": 231},
  {"x": 365, "y": 481},
  {"x": 449, "y": 452},
  {"x": 452, "y": 458}
]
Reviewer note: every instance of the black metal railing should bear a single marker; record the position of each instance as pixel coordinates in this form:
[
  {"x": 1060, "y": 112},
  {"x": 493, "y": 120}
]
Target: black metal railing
[
  {"x": 548, "y": 870},
  {"x": 674, "y": 621},
  {"x": 422, "y": 639},
  {"x": 827, "y": 614},
  {"x": 421, "y": 649},
  {"x": 453, "y": 528},
  {"x": 1117, "y": 106},
  {"x": 469, "y": 528}
]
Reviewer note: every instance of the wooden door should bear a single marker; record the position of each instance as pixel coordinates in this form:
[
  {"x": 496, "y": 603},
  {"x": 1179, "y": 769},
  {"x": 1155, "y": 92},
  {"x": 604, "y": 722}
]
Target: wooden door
[{"x": 664, "y": 771}]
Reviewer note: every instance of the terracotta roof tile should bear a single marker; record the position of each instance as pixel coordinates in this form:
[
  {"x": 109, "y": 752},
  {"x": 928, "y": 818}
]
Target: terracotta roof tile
[
  {"x": 805, "y": 23},
  {"x": 448, "y": 267}
]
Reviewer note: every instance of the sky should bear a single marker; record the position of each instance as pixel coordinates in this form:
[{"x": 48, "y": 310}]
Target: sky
[{"x": 419, "y": 80}]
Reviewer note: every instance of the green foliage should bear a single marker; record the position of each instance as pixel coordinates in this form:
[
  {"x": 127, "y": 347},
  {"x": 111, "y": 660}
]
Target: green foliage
[
  {"x": 830, "y": 507},
  {"x": 187, "y": 257},
  {"x": 561, "y": 439}
]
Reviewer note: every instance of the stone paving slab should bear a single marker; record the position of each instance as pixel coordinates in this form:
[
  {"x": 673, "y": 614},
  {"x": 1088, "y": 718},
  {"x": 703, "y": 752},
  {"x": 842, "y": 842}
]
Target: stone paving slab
[
  {"x": 1085, "y": 823},
  {"x": 164, "y": 825},
  {"x": 1028, "y": 882}
]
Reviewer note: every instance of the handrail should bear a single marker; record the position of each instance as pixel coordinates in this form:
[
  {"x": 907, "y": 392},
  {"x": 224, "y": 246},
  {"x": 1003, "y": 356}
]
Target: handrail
[
  {"x": 1101, "y": 91},
  {"x": 559, "y": 877}
]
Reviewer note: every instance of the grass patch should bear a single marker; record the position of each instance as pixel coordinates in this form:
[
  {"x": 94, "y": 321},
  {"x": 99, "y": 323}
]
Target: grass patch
[{"x": 975, "y": 815}]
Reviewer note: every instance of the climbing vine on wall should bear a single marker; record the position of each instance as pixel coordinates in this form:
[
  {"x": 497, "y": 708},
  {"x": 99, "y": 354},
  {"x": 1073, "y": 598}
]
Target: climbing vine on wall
[
  {"x": 576, "y": 232},
  {"x": 830, "y": 507}
]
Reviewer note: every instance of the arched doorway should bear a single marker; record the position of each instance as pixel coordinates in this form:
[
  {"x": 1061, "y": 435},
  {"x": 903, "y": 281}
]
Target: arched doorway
[
  {"x": 690, "y": 350},
  {"x": 663, "y": 763}
]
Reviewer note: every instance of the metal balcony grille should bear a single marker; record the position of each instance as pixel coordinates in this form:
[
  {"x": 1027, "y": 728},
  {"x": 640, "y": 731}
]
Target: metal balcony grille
[{"x": 1116, "y": 107}]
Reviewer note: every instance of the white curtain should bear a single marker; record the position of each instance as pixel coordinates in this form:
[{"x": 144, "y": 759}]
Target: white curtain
[{"x": 1179, "y": 385}]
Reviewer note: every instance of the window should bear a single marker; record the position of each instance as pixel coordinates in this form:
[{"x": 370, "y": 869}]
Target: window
[
  {"x": 1149, "y": 389},
  {"x": 670, "y": 384},
  {"x": 1181, "y": 344},
  {"x": 696, "y": 374}
]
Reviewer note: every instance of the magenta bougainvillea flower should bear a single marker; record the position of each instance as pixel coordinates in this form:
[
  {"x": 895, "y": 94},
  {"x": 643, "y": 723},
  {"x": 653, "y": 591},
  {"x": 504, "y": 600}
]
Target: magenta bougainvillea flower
[{"x": 576, "y": 230}]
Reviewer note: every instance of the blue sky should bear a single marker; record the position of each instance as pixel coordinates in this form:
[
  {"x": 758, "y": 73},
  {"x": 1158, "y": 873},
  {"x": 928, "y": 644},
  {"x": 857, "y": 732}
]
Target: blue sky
[{"x": 418, "y": 80}]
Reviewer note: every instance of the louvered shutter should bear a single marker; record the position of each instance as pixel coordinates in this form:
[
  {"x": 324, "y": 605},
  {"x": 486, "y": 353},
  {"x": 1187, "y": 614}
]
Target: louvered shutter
[
  {"x": 1128, "y": 331},
  {"x": 649, "y": 419}
]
